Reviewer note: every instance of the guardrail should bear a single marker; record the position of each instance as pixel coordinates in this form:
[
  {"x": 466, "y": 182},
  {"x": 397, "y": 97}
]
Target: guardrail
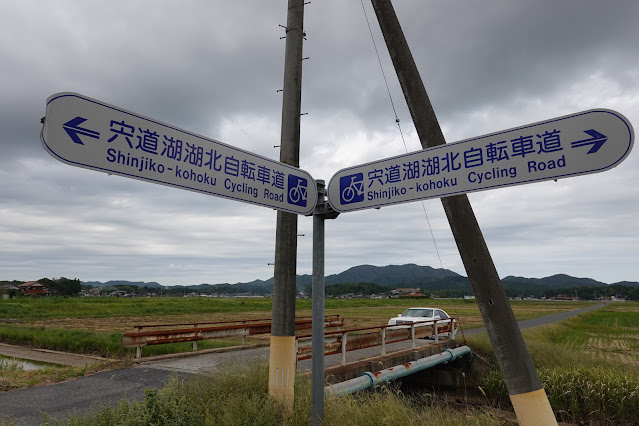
[
  {"x": 248, "y": 321},
  {"x": 343, "y": 341},
  {"x": 241, "y": 329}
]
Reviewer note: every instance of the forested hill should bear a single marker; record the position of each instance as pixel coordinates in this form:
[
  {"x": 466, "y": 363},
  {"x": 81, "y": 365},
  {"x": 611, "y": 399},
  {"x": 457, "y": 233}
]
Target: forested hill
[
  {"x": 384, "y": 278},
  {"x": 400, "y": 275}
]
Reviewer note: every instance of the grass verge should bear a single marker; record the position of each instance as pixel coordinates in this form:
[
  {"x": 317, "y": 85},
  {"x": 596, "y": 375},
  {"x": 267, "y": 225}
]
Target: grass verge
[
  {"x": 239, "y": 396},
  {"x": 584, "y": 382}
]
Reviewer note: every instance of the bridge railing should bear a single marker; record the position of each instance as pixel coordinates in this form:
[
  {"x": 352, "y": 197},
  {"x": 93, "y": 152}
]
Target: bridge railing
[
  {"x": 221, "y": 329},
  {"x": 197, "y": 324},
  {"x": 343, "y": 341}
]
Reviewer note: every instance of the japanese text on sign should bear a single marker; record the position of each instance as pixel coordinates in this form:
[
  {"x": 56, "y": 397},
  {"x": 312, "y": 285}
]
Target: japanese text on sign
[
  {"x": 581, "y": 143},
  {"x": 134, "y": 146}
]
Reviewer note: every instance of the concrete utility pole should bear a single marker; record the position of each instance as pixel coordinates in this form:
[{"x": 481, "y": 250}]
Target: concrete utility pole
[
  {"x": 524, "y": 387},
  {"x": 282, "y": 351}
]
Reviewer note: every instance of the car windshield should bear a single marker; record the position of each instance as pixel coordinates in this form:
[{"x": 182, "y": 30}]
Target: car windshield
[{"x": 415, "y": 312}]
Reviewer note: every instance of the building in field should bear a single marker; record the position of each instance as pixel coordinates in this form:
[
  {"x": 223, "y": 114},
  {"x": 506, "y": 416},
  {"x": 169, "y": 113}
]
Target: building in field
[{"x": 33, "y": 288}]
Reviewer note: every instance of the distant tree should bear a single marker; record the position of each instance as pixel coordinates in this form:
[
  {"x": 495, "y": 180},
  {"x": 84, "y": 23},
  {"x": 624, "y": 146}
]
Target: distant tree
[
  {"x": 131, "y": 289},
  {"x": 150, "y": 290},
  {"x": 47, "y": 282},
  {"x": 62, "y": 286}
]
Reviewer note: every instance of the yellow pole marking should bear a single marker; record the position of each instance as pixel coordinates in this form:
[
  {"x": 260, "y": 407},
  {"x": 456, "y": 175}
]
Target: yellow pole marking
[
  {"x": 533, "y": 408},
  {"x": 282, "y": 370}
]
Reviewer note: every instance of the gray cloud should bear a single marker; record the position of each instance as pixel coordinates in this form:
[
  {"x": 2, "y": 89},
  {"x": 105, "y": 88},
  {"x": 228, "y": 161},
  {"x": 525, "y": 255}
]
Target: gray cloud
[{"x": 214, "y": 68}]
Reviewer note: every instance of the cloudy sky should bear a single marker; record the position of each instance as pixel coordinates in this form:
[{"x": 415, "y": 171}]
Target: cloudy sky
[{"x": 214, "y": 68}]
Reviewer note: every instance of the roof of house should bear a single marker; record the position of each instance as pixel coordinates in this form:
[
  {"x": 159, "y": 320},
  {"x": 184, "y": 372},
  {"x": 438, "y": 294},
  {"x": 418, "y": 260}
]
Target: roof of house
[{"x": 31, "y": 284}]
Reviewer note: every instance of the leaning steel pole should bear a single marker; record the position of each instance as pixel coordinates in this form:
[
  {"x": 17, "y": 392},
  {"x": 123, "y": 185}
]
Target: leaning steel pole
[
  {"x": 282, "y": 350},
  {"x": 524, "y": 387}
]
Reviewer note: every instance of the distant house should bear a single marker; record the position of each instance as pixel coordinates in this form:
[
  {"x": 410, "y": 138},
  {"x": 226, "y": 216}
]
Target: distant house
[
  {"x": 564, "y": 297},
  {"x": 378, "y": 296},
  {"x": 95, "y": 291},
  {"x": 8, "y": 291},
  {"x": 119, "y": 293},
  {"x": 407, "y": 292},
  {"x": 33, "y": 288}
]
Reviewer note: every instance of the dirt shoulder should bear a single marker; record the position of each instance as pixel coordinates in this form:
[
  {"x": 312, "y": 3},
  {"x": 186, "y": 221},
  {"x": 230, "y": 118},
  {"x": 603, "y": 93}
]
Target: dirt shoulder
[{"x": 52, "y": 357}]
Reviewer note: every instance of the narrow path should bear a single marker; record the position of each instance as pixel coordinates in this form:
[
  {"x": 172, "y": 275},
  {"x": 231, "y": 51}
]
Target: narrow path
[{"x": 45, "y": 355}]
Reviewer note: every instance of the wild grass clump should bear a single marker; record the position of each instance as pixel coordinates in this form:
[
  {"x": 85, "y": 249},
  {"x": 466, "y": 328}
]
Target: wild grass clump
[
  {"x": 581, "y": 385},
  {"x": 582, "y": 394},
  {"x": 389, "y": 406},
  {"x": 238, "y": 395},
  {"x": 593, "y": 393},
  {"x": 6, "y": 421}
]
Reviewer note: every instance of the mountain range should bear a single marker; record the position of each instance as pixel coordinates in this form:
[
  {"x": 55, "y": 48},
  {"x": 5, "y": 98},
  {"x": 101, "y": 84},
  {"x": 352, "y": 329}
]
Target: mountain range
[{"x": 392, "y": 276}]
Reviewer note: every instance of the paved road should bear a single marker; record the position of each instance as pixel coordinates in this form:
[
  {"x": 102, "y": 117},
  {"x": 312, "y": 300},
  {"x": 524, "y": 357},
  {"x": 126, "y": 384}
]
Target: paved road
[
  {"x": 548, "y": 319},
  {"x": 60, "y": 400},
  {"x": 109, "y": 387}
]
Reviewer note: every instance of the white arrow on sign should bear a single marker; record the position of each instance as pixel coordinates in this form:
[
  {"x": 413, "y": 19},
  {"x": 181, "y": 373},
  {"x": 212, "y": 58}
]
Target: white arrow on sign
[
  {"x": 87, "y": 133},
  {"x": 577, "y": 144}
]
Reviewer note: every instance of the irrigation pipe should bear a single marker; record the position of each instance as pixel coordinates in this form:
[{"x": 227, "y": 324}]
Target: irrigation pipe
[{"x": 369, "y": 379}]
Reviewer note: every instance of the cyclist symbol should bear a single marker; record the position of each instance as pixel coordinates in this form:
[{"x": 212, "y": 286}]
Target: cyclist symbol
[
  {"x": 298, "y": 194},
  {"x": 352, "y": 188}
]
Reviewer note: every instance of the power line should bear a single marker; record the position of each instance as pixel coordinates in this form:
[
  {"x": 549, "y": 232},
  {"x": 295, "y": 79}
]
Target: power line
[{"x": 390, "y": 97}]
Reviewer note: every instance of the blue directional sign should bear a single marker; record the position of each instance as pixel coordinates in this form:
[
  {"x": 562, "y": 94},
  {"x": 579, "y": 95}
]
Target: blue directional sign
[
  {"x": 87, "y": 133},
  {"x": 577, "y": 144}
]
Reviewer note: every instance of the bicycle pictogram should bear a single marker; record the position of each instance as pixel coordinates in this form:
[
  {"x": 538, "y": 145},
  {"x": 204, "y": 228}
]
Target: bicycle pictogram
[
  {"x": 352, "y": 188},
  {"x": 298, "y": 192}
]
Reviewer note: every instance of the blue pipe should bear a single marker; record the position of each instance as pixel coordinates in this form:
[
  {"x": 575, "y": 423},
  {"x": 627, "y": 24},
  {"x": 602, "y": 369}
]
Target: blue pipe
[{"x": 369, "y": 379}]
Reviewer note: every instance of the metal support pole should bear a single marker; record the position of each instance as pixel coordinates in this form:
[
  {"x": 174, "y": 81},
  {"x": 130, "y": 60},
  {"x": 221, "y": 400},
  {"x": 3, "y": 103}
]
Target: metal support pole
[
  {"x": 344, "y": 342},
  {"x": 527, "y": 395},
  {"x": 282, "y": 350},
  {"x": 412, "y": 335},
  {"x": 383, "y": 341},
  {"x": 317, "y": 342},
  {"x": 195, "y": 341},
  {"x": 453, "y": 331}
]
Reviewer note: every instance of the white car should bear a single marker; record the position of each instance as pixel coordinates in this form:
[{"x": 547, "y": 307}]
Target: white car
[{"x": 412, "y": 315}]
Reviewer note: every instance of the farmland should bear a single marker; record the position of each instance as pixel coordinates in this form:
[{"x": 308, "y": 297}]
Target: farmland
[
  {"x": 587, "y": 363},
  {"x": 95, "y": 325}
]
